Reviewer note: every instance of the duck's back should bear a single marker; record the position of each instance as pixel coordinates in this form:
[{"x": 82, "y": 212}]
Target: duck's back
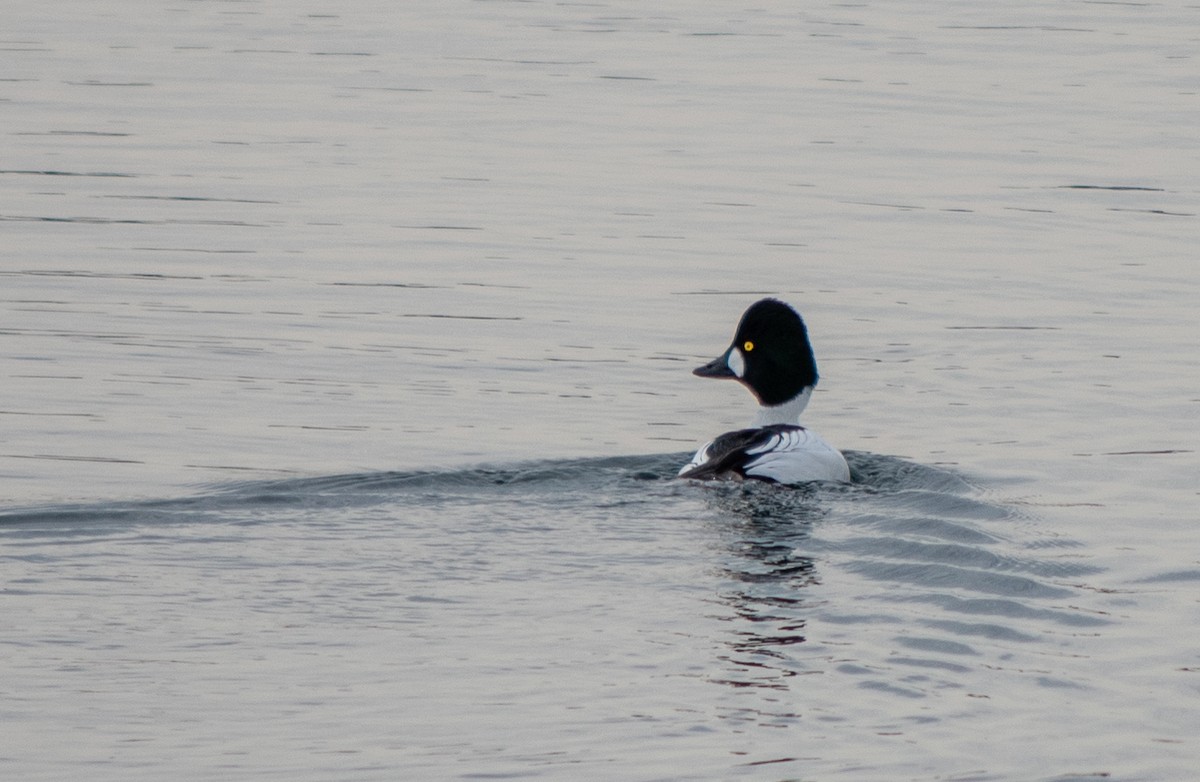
[{"x": 781, "y": 453}]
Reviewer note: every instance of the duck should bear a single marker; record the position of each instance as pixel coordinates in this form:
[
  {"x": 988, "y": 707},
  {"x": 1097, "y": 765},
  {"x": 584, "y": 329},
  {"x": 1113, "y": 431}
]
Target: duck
[{"x": 771, "y": 356}]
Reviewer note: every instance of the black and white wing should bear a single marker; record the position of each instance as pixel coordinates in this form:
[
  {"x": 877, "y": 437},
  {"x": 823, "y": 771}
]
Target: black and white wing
[{"x": 781, "y": 453}]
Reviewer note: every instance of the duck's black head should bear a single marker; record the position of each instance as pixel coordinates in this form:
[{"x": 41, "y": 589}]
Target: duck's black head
[{"x": 770, "y": 354}]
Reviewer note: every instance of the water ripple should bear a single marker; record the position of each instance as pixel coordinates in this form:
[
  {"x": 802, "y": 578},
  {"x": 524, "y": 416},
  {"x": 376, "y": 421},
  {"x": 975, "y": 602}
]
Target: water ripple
[{"x": 910, "y": 555}]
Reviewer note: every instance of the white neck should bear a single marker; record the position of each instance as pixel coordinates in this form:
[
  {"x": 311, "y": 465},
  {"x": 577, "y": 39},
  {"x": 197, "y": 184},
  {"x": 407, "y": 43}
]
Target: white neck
[{"x": 786, "y": 413}]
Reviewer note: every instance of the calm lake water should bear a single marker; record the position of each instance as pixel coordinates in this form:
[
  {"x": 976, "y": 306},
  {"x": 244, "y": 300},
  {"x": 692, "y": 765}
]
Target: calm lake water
[{"x": 345, "y": 354}]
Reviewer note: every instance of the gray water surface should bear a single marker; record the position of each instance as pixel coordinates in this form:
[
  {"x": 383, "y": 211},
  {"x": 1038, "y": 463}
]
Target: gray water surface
[
  {"x": 345, "y": 361},
  {"x": 589, "y": 618}
]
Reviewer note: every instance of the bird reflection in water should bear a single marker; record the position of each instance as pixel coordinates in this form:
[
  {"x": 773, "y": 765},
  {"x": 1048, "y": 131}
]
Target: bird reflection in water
[{"x": 765, "y": 528}]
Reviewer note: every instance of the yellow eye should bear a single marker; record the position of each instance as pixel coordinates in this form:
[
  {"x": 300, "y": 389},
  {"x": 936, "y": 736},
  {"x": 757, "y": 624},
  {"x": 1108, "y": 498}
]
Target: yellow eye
[{"x": 747, "y": 346}]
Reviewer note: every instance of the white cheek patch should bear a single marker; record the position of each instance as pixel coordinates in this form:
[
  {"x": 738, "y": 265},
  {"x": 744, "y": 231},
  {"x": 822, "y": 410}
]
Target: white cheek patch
[{"x": 737, "y": 364}]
